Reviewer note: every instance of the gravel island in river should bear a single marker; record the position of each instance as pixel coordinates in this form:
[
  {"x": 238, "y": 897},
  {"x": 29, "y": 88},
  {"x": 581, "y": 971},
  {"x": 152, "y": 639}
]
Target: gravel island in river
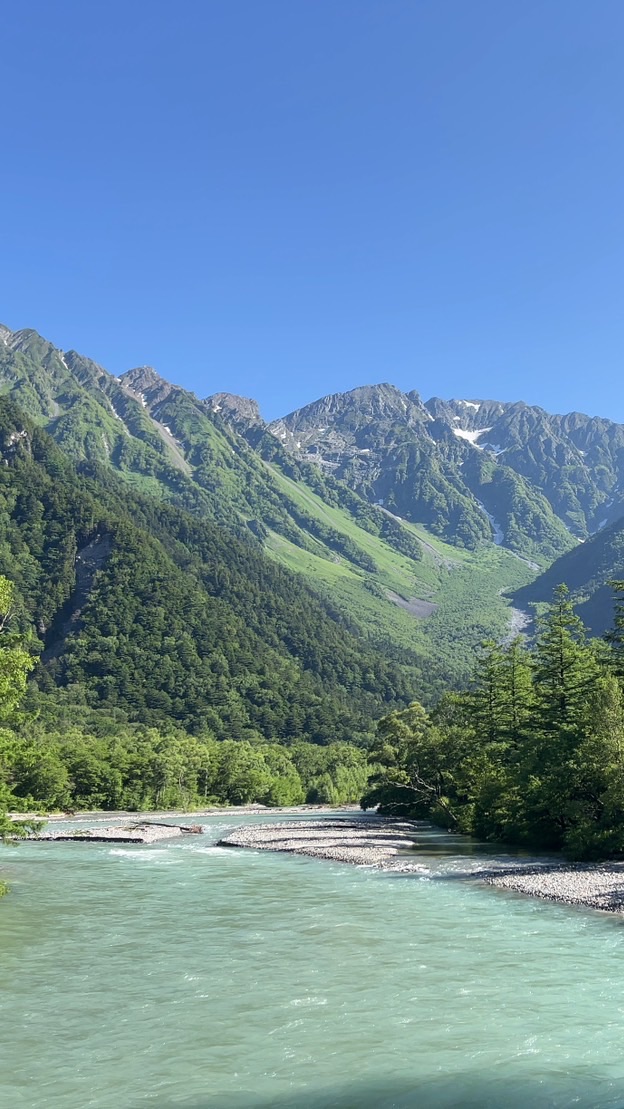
[{"x": 383, "y": 842}]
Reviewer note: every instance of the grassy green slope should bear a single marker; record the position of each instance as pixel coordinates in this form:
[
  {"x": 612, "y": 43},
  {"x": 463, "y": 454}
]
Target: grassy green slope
[
  {"x": 163, "y": 441},
  {"x": 466, "y": 587}
]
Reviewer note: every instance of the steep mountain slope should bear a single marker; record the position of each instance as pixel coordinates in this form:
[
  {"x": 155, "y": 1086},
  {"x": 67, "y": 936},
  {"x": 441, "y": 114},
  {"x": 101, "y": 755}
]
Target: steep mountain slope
[
  {"x": 469, "y": 469},
  {"x": 160, "y": 438},
  {"x": 168, "y": 618},
  {"x": 586, "y": 571},
  {"x": 217, "y": 459},
  {"x": 577, "y": 461},
  {"x": 426, "y": 467},
  {"x": 443, "y": 606}
]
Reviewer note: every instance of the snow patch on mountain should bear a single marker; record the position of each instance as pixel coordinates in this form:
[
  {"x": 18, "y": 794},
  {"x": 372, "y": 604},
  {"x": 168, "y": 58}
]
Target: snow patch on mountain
[{"x": 471, "y": 436}]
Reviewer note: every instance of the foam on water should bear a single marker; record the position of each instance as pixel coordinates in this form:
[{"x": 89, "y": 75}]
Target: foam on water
[{"x": 243, "y": 979}]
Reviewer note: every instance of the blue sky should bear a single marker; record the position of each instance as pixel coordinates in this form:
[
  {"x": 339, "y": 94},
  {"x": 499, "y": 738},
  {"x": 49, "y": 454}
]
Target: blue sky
[{"x": 286, "y": 198}]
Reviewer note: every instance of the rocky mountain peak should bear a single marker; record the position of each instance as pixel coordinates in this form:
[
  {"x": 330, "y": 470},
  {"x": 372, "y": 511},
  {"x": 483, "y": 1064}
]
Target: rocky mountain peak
[
  {"x": 468, "y": 414},
  {"x": 30, "y": 342},
  {"x": 356, "y": 408},
  {"x": 239, "y": 411},
  {"x": 146, "y": 385}
]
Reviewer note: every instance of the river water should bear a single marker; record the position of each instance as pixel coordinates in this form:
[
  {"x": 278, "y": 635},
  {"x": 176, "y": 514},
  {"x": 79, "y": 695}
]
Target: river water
[{"x": 183, "y": 974}]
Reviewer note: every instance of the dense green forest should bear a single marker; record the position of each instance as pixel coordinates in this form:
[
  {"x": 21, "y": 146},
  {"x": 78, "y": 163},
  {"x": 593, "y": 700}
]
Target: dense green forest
[
  {"x": 532, "y": 753},
  {"x": 216, "y": 460},
  {"x": 63, "y": 754},
  {"x": 161, "y": 660},
  {"x": 167, "y": 619},
  {"x": 192, "y": 611}
]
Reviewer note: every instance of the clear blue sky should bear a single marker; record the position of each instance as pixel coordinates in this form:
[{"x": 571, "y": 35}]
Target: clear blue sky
[{"x": 286, "y": 198}]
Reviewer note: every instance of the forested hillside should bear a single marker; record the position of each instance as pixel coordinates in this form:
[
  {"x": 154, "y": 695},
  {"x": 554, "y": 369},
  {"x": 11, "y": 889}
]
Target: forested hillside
[
  {"x": 409, "y": 597},
  {"x": 209, "y": 603},
  {"x": 169, "y": 617}
]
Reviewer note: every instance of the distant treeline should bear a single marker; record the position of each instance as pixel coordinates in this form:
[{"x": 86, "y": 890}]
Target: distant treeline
[{"x": 138, "y": 768}]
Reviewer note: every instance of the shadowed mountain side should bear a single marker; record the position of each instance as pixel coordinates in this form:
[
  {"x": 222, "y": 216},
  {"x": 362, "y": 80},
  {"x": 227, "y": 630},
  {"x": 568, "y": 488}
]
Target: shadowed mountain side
[{"x": 585, "y": 571}]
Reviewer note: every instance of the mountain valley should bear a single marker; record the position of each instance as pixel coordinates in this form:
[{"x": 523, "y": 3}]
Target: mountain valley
[{"x": 420, "y": 527}]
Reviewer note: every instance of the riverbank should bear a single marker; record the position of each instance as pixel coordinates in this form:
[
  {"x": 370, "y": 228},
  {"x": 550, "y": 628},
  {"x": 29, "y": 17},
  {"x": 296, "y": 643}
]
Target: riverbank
[
  {"x": 361, "y": 839},
  {"x": 183, "y": 973},
  {"x": 592, "y": 885},
  {"x": 384, "y": 843}
]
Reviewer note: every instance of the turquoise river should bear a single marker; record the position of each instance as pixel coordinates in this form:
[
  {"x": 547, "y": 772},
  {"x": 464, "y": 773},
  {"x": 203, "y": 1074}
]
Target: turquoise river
[{"x": 184, "y": 974}]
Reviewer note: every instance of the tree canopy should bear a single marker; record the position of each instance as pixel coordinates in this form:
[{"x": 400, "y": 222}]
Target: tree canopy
[{"x": 532, "y": 753}]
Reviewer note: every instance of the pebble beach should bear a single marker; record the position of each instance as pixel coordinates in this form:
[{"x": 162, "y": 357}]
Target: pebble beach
[
  {"x": 595, "y": 885},
  {"x": 383, "y": 842}
]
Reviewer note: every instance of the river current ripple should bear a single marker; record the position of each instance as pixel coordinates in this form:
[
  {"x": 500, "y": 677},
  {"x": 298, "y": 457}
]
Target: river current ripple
[{"x": 183, "y": 974}]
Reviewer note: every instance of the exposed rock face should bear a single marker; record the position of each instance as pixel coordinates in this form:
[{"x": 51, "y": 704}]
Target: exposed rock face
[
  {"x": 241, "y": 412},
  {"x": 472, "y": 471},
  {"x": 89, "y": 559},
  {"x": 447, "y": 463},
  {"x": 146, "y": 385},
  {"x": 434, "y": 464},
  {"x": 345, "y": 424}
]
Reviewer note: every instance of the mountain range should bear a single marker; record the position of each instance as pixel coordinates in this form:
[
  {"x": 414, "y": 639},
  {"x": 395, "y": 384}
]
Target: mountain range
[{"x": 416, "y": 528}]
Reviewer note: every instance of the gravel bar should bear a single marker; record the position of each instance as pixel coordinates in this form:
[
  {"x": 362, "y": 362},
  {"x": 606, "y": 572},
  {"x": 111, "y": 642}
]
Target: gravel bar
[
  {"x": 131, "y": 833},
  {"x": 364, "y": 841},
  {"x": 595, "y": 885},
  {"x": 379, "y": 841}
]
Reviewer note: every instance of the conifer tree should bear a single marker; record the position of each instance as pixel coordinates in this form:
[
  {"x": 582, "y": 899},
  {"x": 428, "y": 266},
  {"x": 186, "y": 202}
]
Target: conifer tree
[
  {"x": 566, "y": 668},
  {"x": 597, "y": 828},
  {"x": 489, "y": 702},
  {"x": 504, "y": 689},
  {"x": 502, "y": 693},
  {"x": 615, "y": 637},
  {"x": 519, "y": 690},
  {"x": 566, "y": 681}
]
